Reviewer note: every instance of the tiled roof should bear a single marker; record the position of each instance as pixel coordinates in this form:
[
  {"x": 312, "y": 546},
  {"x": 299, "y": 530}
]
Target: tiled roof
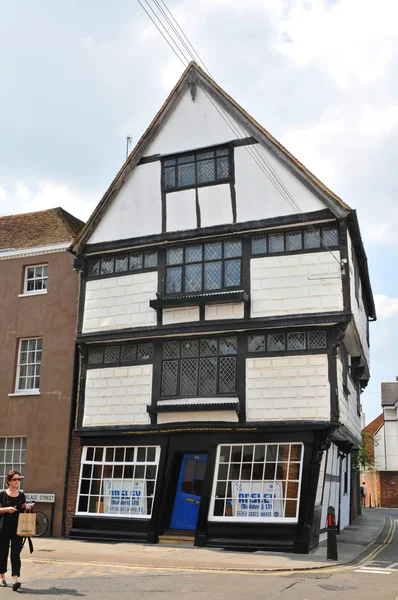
[
  {"x": 42, "y": 228},
  {"x": 374, "y": 425},
  {"x": 389, "y": 393}
]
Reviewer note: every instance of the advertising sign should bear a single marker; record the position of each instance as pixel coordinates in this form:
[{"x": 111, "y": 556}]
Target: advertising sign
[
  {"x": 257, "y": 499},
  {"x": 125, "y": 497}
]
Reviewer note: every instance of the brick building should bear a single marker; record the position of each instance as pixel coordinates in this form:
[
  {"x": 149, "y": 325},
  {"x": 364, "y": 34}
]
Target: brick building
[
  {"x": 38, "y": 313},
  {"x": 223, "y": 339},
  {"x": 382, "y": 485}
]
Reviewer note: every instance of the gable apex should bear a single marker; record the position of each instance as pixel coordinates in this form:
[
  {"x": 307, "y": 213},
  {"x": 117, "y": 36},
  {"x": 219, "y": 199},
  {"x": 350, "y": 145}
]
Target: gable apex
[{"x": 193, "y": 78}]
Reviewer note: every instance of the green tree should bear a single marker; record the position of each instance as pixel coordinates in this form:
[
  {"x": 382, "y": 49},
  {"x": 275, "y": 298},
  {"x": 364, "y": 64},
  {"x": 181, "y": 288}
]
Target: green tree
[{"x": 364, "y": 460}]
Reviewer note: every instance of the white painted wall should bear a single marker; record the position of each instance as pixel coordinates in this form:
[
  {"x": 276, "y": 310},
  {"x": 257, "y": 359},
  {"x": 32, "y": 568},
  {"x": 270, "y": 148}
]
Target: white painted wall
[
  {"x": 193, "y": 125},
  {"x": 345, "y": 498},
  {"x": 181, "y": 210},
  {"x": 137, "y": 209},
  {"x": 215, "y": 205},
  {"x": 226, "y": 416},
  {"x": 236, "y": 310},
  {"x": 186, "y": 314},
  {"x": 280, "y": 285},
  {"x": 256, "y": 197},
  {"x": 348, "y": 402},
  {"x": 331, "y": 489},
  {"x": 120, "y": 302},
  {"x": 380, "y": 450},
  {"x": 391, "y": 438},
  {"x": 289, "y": 387},
  {"x": 357, "y": 307},
  {"x": 117, "y": 396},
  {"x": 321, "y": 480}
]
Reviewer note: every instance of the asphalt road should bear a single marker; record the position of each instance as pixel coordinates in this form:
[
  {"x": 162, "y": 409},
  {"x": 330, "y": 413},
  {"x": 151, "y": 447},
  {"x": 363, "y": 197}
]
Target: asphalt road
[{"x": 374, "y": 575}]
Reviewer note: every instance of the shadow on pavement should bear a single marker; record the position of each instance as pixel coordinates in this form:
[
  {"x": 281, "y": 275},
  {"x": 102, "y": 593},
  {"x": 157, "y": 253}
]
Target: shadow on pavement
[{"x": 53, "y": 591}]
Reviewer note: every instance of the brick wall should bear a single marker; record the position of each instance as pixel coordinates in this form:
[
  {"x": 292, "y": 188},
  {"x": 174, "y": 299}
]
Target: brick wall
[
  {"x": 120, "y": 302},
  {"x": 73, "y": 481},
  {"x": 290, "y": 387},
  {"x": 388, "y": 489},
  {"x": 282, "y": 285},
  {"x": 118, "y": 396}
]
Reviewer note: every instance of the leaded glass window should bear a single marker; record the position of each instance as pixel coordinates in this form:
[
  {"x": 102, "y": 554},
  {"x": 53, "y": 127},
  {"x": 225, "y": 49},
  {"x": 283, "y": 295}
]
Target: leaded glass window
[
  {"x": 205, "y": 267},
  {"x": 196, "y": 168},
  {"x": 121, "y": 263},
  {"x": 205, "y": 367},
  {"x": 294, "y": 241},
  {"x": 119, "y": 355}
]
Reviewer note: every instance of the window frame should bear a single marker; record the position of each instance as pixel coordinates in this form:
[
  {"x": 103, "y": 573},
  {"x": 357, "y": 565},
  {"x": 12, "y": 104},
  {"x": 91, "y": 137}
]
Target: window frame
[
  {"x": 180, "y": 396},
  {"x": 18, "y": 465},
  {"x": 114, "y": 257},
  {"x": 102, "y": 463},
  {"x": 234, "y": 519},
  {"x": 184, "y": 264},
  {"x": 19, "y": 390},
  {"x": 195, "y": 153},
  {"x": 303, "y": 232},
  {"x": 27, "y": 292}
]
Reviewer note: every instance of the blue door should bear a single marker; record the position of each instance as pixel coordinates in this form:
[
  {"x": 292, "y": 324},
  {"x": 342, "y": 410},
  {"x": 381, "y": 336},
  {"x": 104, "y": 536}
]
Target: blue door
[{"x": 189, "y": 492}]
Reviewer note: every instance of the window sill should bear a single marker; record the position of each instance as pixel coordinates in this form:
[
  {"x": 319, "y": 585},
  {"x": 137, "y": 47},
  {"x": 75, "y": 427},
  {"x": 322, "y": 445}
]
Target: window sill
[
  {"x": 26, "y": 294},
  {"x": 201, "y": 299},
  {"x": 26, "y": 393},
  {"x": 183, "y": 406}
]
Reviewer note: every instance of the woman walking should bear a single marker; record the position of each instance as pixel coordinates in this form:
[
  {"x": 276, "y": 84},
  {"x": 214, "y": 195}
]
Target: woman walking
[{"x": 12, "y": 502}]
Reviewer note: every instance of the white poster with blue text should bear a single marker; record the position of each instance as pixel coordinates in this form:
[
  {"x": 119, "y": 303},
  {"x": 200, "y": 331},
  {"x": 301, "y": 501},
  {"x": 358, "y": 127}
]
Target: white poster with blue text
[
  {"x": 125, "y": 497},
  {"x": 257, "y": 499}
]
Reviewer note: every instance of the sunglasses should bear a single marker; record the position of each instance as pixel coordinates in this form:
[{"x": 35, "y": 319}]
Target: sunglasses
[{"x": 16, "y": 479}]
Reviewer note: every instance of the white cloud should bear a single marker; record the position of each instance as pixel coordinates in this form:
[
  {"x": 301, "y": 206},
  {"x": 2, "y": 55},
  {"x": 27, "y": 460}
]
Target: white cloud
[
  {"x": 353, "y": 40},
  {"x": 22, "y": 197},
  {"x": 377, "y": 120},
  {"x": 386, "y": 307}
]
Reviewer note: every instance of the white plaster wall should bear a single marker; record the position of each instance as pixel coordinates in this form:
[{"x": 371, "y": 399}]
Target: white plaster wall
[
  {"x": 194, "y": 125},
  {"x": 236, "y": 310},
  {"x": 137, "y": 209},
  {"x": 289, "y": 387},
  {"x": 321, "y": 480},
  {"x": 181, "y": 210},
  {"x": 120, "y": 302},
  {"x": 348, "y": 402},
  {"x": 280, "y": 285},
  {"x": 345, "y": 498},
  {"x": 357, "y": 307},
  {"x": 391, "y": 441},
  {"x": 256, "y": 196},
  {"x": 226, "y": 416},
  {"x": 118, "y": 396},
  {"x": 380, "y": 454},
  {"x": 215, "y": 205},
  {"x": 186, "y": 314},
  {"x": 331, "y": 488}
]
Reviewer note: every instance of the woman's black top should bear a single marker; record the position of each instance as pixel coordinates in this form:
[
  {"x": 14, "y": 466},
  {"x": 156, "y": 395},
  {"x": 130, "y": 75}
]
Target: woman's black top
[{"x": 10, "y": 522}]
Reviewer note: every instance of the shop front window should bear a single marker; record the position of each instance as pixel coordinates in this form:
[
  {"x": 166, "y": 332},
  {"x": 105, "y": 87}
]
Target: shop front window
[
  {"x": 257, "y": 482},
  {"x": 118, "y": 481}
]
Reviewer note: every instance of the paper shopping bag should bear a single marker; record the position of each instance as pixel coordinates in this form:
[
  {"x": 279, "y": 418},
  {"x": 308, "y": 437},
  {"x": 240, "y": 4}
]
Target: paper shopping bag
[{"x": 26, "y": 525}]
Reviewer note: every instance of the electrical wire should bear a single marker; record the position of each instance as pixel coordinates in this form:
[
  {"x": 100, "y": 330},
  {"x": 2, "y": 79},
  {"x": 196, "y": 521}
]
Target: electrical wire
[{"x": 254, "y": 152}]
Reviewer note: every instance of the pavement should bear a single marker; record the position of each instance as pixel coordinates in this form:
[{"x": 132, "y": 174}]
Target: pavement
[{"x": 351, "y": 542}]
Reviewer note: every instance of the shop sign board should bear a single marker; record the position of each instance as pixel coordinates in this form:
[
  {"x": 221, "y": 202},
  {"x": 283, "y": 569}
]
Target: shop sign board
[
  {"x": 125, "y": 496},
  {"x": 257, "y": 499}
]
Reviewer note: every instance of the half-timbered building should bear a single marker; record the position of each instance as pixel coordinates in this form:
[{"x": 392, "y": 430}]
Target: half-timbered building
[{"x": 223, "y": 335}]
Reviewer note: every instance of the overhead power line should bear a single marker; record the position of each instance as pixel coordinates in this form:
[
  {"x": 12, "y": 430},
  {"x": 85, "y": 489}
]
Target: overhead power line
[{"x": 175, "y": 37}]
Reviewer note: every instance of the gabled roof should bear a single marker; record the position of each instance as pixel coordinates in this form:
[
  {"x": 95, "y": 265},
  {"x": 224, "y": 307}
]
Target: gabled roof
[
  {"x": 375, "y": 425},
  {"x": 194, "y": 73},
  {"x": 389, "y": 393},
  {"x": 41, "y": 228}
]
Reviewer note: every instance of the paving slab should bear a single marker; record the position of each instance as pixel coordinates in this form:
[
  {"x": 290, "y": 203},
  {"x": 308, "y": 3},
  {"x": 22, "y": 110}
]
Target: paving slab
[{"x": 351, "y": 542}]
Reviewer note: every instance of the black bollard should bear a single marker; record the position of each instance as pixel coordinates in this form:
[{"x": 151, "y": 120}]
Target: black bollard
[{"x": 332, "y": 540}]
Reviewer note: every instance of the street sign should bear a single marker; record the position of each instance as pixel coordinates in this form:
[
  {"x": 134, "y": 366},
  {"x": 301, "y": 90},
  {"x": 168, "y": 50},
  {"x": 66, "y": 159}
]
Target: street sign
[{"x": 50, "y": 498}]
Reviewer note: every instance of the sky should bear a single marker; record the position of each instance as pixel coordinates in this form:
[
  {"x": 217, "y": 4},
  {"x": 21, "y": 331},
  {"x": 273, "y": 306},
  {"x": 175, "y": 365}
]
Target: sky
[{"x": 320, "y": 75}]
